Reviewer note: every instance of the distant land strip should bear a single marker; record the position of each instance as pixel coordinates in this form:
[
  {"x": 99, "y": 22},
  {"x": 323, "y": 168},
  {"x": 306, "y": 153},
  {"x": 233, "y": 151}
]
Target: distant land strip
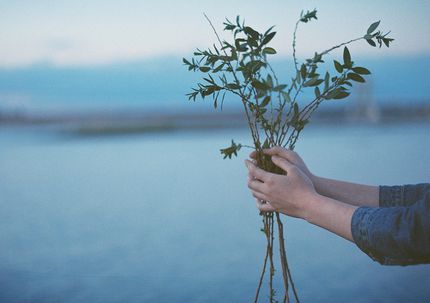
[{"x": 120, "y": 122}]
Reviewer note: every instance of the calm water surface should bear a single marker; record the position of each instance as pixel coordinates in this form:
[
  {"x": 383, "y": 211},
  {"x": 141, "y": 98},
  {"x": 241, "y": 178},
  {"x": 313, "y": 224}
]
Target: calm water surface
[{"x": 162, "y": 218}]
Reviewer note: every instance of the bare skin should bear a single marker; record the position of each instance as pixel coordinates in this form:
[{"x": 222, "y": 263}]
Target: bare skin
[{"x": 327, "y": 203}]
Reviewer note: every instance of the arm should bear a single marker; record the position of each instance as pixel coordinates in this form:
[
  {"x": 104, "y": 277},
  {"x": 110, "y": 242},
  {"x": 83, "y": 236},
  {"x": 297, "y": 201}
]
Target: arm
[
  {"x": 331, "y": 215},
  {"x": 351, "y": 193},
  {"x": 389, "y": 235}
]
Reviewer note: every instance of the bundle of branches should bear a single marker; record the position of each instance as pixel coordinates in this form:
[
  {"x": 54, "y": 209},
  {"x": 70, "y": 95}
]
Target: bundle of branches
[{"x": 275, "y": 112}]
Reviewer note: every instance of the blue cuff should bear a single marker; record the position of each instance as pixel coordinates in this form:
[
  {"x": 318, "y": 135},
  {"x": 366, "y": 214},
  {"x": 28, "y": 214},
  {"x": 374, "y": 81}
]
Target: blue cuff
[{"x": 361, "y": 220}]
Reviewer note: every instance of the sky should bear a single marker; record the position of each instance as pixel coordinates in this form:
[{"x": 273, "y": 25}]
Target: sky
[
  {"x": 64, "y": 54},
  {"x": 82, "y": 33}
]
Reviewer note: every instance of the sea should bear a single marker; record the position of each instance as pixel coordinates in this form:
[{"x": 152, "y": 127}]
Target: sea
[{"x": 161, "y": 217}]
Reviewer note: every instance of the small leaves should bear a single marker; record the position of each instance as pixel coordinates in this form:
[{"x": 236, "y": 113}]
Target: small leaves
[
  {"x": 303, "y": 71},
  {"x": 341, "y": 95},
  {"x": 371, "y": 42},
  {"x": 259, "y": 85},
  {"x": 317, "y": 92},
  {"x": 308, "y": 16},
  {"x": 204, "y": 69},
  {"x": 337, "y": 93},
  {"x": 361, "y": 70},
  {"x": 387, "y": 41},
  {"x": 338, "y": 66},
  {"x": 313, "y": 82},
  {"x": 373, "y": 27},
  {"x": 326, "y": 81},
  {"x": 356, "y": 77},
  {"x": 269, "y": 51},
  {"x": 279, "y": 87},
  {"x": 231, "y": 151},
  {"x": 265, "y": 101},
  {"x": 233, "y": 86},
  {"x": 347, "y": 57},
  {"x": 268, "y": 38},
  {"x": 251, "y": 32}
]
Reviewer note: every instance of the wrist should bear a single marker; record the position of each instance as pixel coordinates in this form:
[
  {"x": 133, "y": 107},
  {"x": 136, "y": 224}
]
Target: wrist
[
  {"x": 311, "y": 202},
  {"x": 317, "y": 181}
]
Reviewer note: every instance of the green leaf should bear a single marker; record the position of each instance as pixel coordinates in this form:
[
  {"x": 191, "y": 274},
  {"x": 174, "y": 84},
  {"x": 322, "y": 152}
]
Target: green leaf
[
  {"x": 204, "y": 69},
  {"x": 356, "y": 77},
  {"x": 268, "y": 38},
  {"x": 251, "y": 32},
  {"x": 265, "y": 101},
  {"x": 346, "y": 57},
  {"x": 280, "y": 87},
  {"x": 186, "y": 61},
  {"x": 313, "y": 82},
  {"x": 317, "y": 92},
  {"x": 303, "y": 71},
  {"x": 228, "y": 152},
  {"x": 373, "y": 27},
  {"x": 296, "y": 110},
  {"x": 233, "y": 86},
  {"x": 269, "y": 51},
  {"x": 326, "y": 81},
  {"x": 341, "y": 95},
  {"x": 338, "y": 66},
  {"x": 361, "y": 70},
  {"x": 371, "y": 42},
  {"x": 259, "y": 85}
]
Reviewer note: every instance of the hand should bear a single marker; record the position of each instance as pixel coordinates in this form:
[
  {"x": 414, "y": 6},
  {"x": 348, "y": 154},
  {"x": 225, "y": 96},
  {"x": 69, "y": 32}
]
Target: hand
[
  {"x": 290, "y": 194},
  {"x": 289, "y": 155}
]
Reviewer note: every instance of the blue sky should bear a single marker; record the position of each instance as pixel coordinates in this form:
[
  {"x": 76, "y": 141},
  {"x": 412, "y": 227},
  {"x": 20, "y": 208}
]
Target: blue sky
[
  {"x": 64, "y": 54},
  {"x": 102, "y": 32}
]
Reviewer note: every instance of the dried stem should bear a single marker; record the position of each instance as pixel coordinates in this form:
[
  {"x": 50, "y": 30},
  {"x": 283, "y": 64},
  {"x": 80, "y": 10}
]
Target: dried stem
[{"x": 260, "y": 282}]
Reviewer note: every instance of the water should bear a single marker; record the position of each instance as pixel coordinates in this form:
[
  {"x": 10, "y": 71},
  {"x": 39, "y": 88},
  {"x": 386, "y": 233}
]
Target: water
[{"x": 162, "y": 218}]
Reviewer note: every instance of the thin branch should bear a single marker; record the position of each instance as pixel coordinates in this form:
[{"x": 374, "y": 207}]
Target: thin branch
[
  {"x": 294, "y": 45},
  {"x": 340, "y": 45},
  {"x": 260, "y": 283}
]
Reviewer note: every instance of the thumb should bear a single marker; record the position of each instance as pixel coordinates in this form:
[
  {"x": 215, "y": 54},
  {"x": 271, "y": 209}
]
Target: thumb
[{"x": 282, "y": 163}]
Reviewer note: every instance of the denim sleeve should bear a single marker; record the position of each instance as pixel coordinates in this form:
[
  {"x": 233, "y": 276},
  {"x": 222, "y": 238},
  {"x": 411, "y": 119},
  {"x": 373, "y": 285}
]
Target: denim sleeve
[
  {"x": 398, "y": 235},
  {"x": 403, "y": 195}
]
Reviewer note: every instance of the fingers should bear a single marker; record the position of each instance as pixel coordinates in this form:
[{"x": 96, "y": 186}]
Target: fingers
[
  {"x": 282, "y": 163},
  {"x": 275, "y": 151},
  {"x": 256, "y": 185},
  {"x": 279, "y": 151},
  {"x": 264, "y": 206},
  {"x": 256, "y": 172}
]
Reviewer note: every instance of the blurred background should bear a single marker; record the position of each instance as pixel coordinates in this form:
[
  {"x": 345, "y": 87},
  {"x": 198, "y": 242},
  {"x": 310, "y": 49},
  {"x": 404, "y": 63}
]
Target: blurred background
[{"x": 112, "y": 188}]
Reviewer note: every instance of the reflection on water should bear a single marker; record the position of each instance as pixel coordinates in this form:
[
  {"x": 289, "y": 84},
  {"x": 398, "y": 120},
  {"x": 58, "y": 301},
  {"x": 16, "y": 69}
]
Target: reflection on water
[{"x": 162, "y": 218}]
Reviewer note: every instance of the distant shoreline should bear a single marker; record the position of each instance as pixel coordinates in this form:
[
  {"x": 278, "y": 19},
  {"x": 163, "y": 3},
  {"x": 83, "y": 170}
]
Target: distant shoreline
[{"x": 136, "y": 121}]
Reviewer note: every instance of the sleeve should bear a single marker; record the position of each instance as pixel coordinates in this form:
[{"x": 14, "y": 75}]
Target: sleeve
[
  {"x": 398, "y": 235},
  {"x": 403, "y": 195}
]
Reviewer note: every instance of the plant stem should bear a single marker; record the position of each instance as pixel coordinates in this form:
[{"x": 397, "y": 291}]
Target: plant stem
[
  {"x": 260, "y": 283},
  {"x": 272, "y": 267},
  {"x": 282, "y": 255}
]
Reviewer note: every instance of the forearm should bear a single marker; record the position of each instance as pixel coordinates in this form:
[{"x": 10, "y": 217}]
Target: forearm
[
  {"x": 329, "y": 214},
  {"x": 351, "y": 193}
]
